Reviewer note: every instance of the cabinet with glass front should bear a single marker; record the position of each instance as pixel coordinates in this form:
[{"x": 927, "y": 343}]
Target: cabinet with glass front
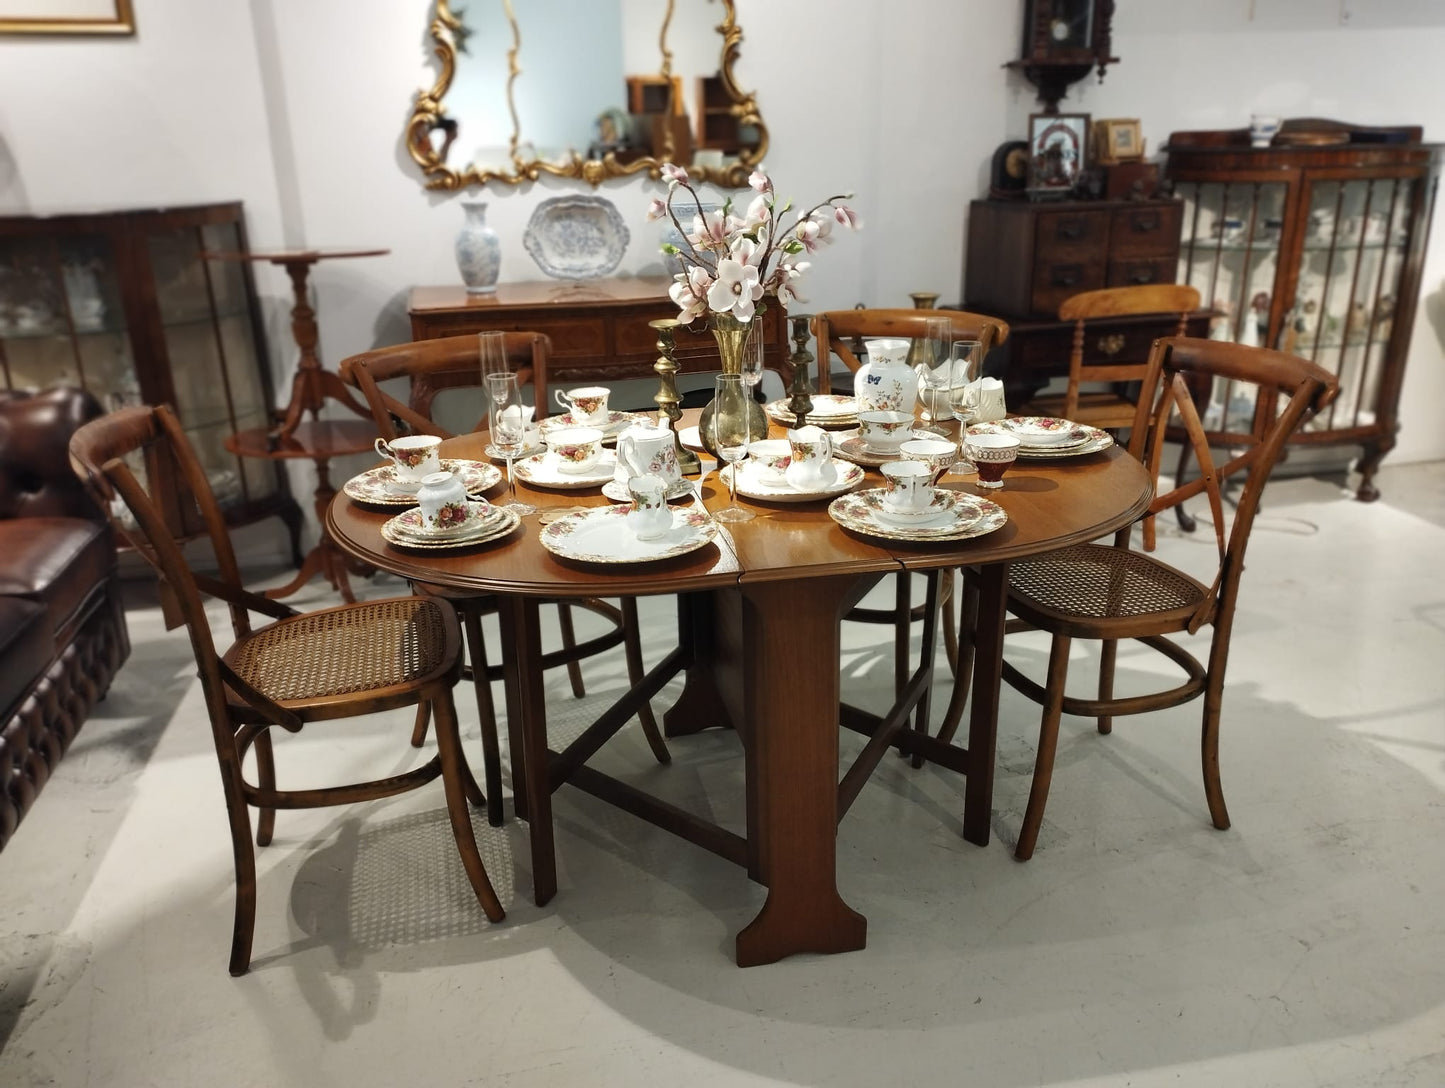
[
  {"x": 1313, "y": 245},
  {"x": 125, "y": 305}
]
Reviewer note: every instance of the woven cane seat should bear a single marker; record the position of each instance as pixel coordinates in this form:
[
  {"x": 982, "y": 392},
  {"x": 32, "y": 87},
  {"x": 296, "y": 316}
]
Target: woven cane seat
[
  {"x": 341, "y": 651},
  {"x": 1096, "y": 582}
]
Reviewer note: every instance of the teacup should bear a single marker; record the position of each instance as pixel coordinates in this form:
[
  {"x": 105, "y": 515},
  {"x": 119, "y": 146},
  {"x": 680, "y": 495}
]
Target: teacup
[
  {"x": 442, "y": 498},
  {"x": 587, "y": 404},
  {"x": 992, "y": 454},
  {"x": 415, "y": 456},
  {"x": 937, "y": 453},
  {"x": 883, "y": 432},
  {"x": 772, "y": 456},
  {"x": 576, "y": 448},
  {"x": 649, "y": 517},
  {"x": 810, "y": 467},
  {"x": 909, "y": 486}
]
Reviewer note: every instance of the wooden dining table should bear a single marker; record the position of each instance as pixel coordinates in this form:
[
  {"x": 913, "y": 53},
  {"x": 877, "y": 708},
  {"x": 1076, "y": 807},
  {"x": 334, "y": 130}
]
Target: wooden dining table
[{"x": 759, "y": 614}]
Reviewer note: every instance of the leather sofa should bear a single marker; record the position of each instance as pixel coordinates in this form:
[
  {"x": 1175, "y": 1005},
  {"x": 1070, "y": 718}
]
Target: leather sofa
[{"x": 62, "y": 623}]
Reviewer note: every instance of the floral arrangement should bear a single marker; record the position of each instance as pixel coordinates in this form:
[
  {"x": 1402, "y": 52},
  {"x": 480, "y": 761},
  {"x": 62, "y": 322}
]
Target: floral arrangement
[{"x": 731, "y": 261}]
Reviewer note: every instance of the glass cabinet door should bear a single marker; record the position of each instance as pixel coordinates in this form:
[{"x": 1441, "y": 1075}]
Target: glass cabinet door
[
  {"x": 1351, "y": 260},
  {"x": 1230, "y": 252}
]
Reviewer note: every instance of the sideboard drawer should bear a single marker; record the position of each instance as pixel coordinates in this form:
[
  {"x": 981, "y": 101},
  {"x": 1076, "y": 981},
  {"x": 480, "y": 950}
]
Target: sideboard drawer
[
  {"x": 1055, "y": 280},
  {"x": 1065, "y": 234},
  {"x": 1141, "y": 271},
  {"x": 1151, "y": 230}
]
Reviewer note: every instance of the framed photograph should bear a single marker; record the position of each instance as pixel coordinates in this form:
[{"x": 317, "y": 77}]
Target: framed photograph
[
  {"x": 1117, "y": 141},
  {"x": 66, "y": 17},
  {"x": 1058, "y": 152}
]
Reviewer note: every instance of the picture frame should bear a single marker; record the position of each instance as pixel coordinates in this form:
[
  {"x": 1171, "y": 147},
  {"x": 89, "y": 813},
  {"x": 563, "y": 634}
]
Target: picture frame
[
  {"x": 1118, "y": 140},
  {"x": 1058, "y": 152},
  {"x": 66, "y": 17}
]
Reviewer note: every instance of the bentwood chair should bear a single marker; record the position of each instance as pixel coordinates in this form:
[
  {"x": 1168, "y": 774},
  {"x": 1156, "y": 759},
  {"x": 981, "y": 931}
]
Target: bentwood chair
[
  {"x": 1110, "y": 592},
  {"x": 838, "y": 333},
  {"x": 298, "y": 670},
  {"x": 430, "y": 366}
]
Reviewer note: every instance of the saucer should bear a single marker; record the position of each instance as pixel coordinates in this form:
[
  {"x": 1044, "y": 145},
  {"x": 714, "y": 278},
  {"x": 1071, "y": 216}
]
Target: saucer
[
  {"x": 615, "y": 490},
  {"x": 614, "y": 422},
  {"x": 601, "y": 535},
  {"x": 969, "y": 517},
  {"x": 752, "y": 485},
  {"x": 542, "y": 471},
  {"x": 380, "y": 487}
]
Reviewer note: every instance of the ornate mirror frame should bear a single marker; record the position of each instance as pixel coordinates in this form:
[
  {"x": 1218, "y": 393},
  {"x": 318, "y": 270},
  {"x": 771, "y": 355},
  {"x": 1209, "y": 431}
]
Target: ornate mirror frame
[{"x": 429, "y": 114}]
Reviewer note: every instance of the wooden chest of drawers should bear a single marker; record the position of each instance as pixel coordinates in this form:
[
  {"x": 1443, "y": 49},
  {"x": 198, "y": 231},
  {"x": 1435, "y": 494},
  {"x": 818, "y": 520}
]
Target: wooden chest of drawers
[{"x": 1026, "y": 258}]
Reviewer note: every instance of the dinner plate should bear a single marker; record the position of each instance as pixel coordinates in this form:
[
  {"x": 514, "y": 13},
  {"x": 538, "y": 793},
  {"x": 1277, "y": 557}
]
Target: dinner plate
[
  {"x": 379, "y": 486},
  {"x": 601, "y": 535},
  {"x": 1095, "y": 441},
  {"x": 751, "y": 484},
  {"x": 969, "y": 517},
  {"x": 495, "y": 529},
  {"x": 1045, "y": 432},
  {"x": 828, "y": 411},
  {"x": 614, "y": 422},
  {"x": 617, "y": 491},
  {"x": 543, "y": 471}
]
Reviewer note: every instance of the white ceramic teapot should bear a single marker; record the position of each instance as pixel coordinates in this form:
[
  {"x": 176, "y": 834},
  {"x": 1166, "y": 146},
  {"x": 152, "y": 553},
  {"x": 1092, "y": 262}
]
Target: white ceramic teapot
[
  {"x": 646, "y": 449},
  {"x": 811, "y": 467}
]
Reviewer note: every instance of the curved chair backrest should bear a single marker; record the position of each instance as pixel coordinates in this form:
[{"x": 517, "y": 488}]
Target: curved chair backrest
[
  {"x": 1298, "y": 389},
  {"x": 836, "y": 327},
  {"x": 452, "y": 362}
]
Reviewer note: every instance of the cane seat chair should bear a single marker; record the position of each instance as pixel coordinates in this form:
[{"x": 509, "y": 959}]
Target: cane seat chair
[
  {"x": 1109, "y": 592},
  {"x": 842, "y": 333},
  {"x": 449, "y": 363},
  {"x": 297, "y": 670}
]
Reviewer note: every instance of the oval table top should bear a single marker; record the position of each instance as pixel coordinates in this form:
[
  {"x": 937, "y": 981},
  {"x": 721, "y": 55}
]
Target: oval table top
[{"x": 1050, "y": 503}]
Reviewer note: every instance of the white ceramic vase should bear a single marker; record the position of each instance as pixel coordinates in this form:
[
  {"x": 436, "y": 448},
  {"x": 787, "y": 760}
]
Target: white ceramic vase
[
  {"x": 479, "y": 251},
  {"x": 886, "y": 383}
]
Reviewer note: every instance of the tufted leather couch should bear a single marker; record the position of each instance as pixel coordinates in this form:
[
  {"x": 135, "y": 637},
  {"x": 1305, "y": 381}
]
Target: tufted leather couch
[{"x": 62, "y": 625}]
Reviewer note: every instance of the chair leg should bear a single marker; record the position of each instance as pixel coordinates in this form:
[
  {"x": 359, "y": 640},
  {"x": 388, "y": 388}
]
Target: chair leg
[
  {"x": 266, "y": 779},
  {"x": 244, "y": 928},
  {"x": 1048, "y": 744},
  {"x": 1108, "y": 653},
  {"x": 449, "y": 750},
  {"x": 487, "y": 713},
  {"x": 569, "y": 642},
  {"x": 418, "y": 731},
  {"x": 632, "y": 646},
  {"x": 946, "y": 584},
  {"x": 963, "y": 672},
  {"x": 1209, "y": 745}
]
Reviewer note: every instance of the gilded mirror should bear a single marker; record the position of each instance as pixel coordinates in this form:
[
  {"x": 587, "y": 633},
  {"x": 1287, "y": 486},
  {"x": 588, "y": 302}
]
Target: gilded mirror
[{"x": 599, "y": 90}]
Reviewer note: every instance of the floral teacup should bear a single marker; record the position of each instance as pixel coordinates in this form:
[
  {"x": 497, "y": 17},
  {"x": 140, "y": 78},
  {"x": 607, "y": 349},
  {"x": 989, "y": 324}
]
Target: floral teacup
[{"x": 576, "y": 449}]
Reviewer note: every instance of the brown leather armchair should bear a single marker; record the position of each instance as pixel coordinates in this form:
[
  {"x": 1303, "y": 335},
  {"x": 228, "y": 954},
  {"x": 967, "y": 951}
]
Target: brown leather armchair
[{"x": 62, "y": 624}]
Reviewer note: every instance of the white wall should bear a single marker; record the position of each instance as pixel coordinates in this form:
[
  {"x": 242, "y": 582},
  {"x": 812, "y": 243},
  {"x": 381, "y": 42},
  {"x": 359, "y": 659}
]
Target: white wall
[{"x": 298, "y": 109}]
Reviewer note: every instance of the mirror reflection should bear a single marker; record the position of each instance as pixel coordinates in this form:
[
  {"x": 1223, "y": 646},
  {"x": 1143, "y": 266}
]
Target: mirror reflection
[{"x": 596, "y": 90}]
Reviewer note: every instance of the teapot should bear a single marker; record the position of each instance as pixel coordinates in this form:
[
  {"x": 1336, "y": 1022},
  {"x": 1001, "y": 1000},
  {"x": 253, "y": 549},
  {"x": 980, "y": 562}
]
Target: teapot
[
  {"x": 646, "y": 449},
  {"x": 811, "y": 467}
]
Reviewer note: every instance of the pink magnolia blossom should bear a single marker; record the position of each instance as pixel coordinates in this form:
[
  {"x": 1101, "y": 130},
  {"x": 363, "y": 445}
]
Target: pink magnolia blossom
[
  {"x": 656, "y": 210},
  {"x": 690, "y": 292},
  {"x": 735, "y": 290}
]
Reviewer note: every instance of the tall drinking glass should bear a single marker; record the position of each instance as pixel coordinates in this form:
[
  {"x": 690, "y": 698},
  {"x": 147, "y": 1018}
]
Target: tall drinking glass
[
  {"x": 508, "y": 424},
  {"x": 731, "y": 437},
  {"x": 966, "y": 365},
  {"x": 934, "y": 370}
]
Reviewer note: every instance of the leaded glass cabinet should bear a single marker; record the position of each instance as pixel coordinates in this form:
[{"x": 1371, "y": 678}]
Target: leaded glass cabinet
[{"x": 1313, "y": 245}]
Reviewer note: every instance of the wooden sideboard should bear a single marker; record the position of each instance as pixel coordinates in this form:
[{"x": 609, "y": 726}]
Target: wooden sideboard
[{"x": 598, "y": 329}]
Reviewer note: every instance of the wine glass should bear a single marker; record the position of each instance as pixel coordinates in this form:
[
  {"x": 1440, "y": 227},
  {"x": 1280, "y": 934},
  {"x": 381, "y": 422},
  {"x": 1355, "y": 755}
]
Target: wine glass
[
  {"x": 508, "y": 424},
  {"x": 934, "y": 369},
  {"x": 730, "y": 437},
  {"x": 752, "y": 369},
  {"x": 966, "y": 366}
]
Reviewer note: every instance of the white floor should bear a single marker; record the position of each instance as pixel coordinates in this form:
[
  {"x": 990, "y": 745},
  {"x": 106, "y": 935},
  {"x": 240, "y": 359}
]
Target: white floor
[{"x": 1306, "y": 946}]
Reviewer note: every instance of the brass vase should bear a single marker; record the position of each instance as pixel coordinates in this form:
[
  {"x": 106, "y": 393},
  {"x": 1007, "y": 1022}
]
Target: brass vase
[{"x": 731, "y": 336}]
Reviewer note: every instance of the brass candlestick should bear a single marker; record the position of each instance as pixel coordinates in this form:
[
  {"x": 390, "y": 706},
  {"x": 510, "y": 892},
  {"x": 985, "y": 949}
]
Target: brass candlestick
[
  {"x": 667, "y": 398},
  {"x": 799, "y": 402}
]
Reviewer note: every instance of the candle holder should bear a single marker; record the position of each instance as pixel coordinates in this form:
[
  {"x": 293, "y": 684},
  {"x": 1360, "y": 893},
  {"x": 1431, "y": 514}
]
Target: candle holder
[
  {"x": 667, "y": 399},
  {"x": 799, "y": 402}
]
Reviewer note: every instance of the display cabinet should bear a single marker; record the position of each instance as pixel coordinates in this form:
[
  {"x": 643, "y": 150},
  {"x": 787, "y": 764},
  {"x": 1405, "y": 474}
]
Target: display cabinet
[
  {"x": 1313, "y": 245},
  {"x": 123, "y": 304}
]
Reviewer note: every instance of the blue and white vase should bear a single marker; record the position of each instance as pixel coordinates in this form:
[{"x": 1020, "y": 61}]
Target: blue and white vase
[{"x": 479, "y": 250}]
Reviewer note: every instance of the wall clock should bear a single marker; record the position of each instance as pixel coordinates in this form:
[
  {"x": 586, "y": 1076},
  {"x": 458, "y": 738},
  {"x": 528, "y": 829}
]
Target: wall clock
[{"x": 1063, "y": 41}]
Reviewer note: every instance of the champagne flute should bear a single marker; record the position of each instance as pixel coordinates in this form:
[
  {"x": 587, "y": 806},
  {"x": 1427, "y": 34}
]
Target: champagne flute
[
  {"x": 966, "y": 367},
  {"x": 934, "y": 369},
  {"x": 730, "y": 437},
  {"x": 508, "y": 424}
]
